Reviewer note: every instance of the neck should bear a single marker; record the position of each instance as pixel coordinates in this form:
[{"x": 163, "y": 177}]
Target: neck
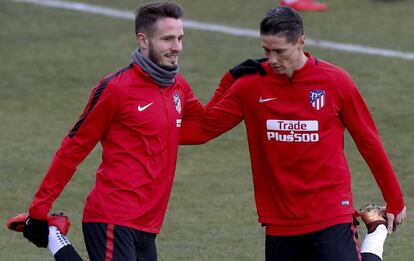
[
  {"x": 160, "y": 75},
  {"x": 302, "y": 59}
]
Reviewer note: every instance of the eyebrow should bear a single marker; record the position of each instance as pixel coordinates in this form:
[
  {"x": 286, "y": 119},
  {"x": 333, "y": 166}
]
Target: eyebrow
[{"x": 276, "y": 49}]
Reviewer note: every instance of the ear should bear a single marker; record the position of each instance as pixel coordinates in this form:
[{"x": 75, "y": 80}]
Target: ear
[
  {"x": 301, "y": 42},
  {"x": 142, "y": 41}
]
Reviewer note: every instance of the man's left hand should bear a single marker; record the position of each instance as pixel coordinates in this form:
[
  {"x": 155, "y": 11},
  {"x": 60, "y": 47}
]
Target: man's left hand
[
  {"x": 393, "y": 221},
  {"x": 249, "y": 66}
]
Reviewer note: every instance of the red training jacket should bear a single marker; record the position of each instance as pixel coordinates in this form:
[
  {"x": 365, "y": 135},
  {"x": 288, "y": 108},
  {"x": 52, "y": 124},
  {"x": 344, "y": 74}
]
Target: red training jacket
[
  {"x": 138, "y": 124},
  {"x": 295, "y": 130}
]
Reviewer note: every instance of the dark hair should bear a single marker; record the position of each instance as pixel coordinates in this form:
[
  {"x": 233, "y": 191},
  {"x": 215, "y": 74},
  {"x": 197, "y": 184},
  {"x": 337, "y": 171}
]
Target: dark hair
[
  {"x": 282, "y": 21},
  {"x": 148, "y": 14}
]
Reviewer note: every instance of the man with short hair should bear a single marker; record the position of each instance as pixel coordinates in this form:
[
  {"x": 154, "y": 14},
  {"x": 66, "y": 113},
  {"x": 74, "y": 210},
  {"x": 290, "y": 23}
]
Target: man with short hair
[
  {"x": 295, "y": 118},
  {"x": 136, "y": 115}
]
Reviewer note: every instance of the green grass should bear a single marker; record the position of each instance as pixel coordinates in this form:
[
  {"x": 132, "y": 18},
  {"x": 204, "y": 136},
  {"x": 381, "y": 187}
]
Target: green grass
[{"x": 50, "y": 60}]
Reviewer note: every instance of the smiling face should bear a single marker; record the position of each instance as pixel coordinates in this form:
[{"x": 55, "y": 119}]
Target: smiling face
[
  {"x": 284, "y": 57},
  {"x": 164, "y": 46}
]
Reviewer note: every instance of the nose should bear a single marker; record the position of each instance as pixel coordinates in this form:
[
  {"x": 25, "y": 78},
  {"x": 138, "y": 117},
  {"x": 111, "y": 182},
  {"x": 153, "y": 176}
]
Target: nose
[
  {"x": 177, "y": 45},
  {"x": 273, "y": 59}
]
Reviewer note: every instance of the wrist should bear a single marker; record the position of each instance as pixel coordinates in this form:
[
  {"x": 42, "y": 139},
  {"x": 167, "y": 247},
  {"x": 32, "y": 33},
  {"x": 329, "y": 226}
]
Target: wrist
[
  {"x": 228, "y": 79},
  {"x": 395, "y": 207},
  {"x": 39, "y": 215}
]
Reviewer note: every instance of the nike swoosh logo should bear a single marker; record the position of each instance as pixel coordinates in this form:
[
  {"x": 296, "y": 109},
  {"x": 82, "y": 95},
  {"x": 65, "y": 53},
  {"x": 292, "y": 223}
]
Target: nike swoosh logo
[
  {"x": 261, "y": 100},
  {"x": 144, "y": 107}
]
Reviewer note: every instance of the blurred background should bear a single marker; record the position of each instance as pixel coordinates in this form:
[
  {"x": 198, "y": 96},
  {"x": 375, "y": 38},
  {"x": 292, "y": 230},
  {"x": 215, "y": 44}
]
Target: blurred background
[{"x": 52, "y": 57}]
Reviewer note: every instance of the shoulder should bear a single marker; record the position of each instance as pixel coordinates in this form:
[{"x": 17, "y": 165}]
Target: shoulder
[
  {"x": 336, "y": 77},
  {"x": 121, "y": 77},
  {"x": 248, "y": 80},
  {"x": 115, "y": 84},
  {"x": 243, "y": 86},
  {"x": 334, "y": 72},
  {"x": 341, "y": 80}
]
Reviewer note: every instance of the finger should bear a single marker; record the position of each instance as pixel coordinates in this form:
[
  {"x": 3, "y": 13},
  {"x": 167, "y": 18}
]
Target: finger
[
  {"x": 261, "y": 71},
  {"x": 258, "y": 67},
  {"x": 261, "y": 60},
  {"x": 401, "y": 217},
  {"x": 390, "y": 220}
]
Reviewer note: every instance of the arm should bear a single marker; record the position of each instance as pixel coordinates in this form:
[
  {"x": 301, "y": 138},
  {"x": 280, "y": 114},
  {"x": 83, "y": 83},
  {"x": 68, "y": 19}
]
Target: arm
[
  {"x": 249, "y": 66},
  {"x": 222, "y": 113},
  {"x": 361, "y": 126},
  {"x": 75, "y": 147},
  {"x": 215, "y": 120},
  {"x": 214, "y": 123},
  {"x": 225, "y": 83}
]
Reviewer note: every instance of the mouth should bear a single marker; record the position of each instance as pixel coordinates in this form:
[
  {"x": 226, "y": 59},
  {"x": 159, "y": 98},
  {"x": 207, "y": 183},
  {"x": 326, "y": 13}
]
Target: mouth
[
  {"x": 172, "y": 57},
  {"x": 278, "y": 68}
]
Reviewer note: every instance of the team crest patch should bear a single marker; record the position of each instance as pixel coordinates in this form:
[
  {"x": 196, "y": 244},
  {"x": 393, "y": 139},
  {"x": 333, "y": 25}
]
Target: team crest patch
[
  {"x": 177, "y": 102},
  {"x": 317, "y": 99}
]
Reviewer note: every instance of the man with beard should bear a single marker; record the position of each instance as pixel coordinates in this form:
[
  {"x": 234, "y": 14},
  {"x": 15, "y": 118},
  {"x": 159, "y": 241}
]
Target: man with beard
[{"x": 136, "y": 115}]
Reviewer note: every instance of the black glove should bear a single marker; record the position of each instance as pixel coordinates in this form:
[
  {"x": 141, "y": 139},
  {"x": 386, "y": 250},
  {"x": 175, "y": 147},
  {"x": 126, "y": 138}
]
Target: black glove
[
  {"x": 249, "y": 66},
  {"x": 36, "y": 231}
]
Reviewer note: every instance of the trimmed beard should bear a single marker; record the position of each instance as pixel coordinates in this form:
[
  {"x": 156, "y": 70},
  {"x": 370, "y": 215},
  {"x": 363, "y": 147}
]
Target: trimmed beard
[{"x": 154, "y": 58}]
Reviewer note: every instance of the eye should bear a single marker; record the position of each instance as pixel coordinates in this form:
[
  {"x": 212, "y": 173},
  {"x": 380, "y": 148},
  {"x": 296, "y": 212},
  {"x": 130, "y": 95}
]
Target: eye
[{"x": 167, "y": 38}]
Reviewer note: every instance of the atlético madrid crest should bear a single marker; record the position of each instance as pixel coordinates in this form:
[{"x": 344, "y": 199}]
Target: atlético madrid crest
[
  {"x": 177, "y": 102},
  {"x": 317, "y": 99}
]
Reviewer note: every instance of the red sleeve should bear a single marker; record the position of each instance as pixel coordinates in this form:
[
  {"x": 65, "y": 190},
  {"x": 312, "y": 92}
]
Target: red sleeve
[
  {"x": 193, "y": 108},
  {"x": 222, "y": 113},
  {"x": 361, "y": 126},
  {"x": 83, "y": 137},
  {"x": 225, "y": 83}
]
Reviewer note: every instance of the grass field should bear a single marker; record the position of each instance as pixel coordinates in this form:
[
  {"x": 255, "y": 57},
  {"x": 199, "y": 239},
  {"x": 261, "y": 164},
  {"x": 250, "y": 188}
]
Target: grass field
[{"x": 51, "y": 58}]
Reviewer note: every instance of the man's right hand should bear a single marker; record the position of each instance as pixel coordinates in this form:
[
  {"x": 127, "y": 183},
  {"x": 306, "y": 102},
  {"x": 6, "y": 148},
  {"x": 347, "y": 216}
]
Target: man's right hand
[{"x": 36, "y": 231}]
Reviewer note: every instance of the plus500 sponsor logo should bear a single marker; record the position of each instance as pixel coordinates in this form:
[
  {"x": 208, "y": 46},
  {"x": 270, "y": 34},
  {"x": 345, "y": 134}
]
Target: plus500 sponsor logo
[{"x": 292, "y": 130}]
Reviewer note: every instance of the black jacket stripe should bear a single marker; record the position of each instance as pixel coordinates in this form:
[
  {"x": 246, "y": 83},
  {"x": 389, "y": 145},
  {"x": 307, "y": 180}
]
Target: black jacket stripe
[{"x": 95, "y": 99}]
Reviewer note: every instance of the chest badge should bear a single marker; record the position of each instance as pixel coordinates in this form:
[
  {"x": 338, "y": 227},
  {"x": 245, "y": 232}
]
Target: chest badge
[
  {"x": 317, "y": 99},
  {"x": 177, "y": 102}
]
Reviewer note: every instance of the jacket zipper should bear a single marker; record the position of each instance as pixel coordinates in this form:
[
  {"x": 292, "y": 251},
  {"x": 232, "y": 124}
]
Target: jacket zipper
[{"x": 168, "y": 126}]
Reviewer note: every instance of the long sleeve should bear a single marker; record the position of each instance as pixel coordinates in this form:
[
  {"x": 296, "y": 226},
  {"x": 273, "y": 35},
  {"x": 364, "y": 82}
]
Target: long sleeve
[
  {"x": 225, "y": 84},
  {"x": 222, "y": 113},
  {"x": 361, "y": 126},
  {"x": 83, "y": 137},
  {"x": 193, "y": 108}
]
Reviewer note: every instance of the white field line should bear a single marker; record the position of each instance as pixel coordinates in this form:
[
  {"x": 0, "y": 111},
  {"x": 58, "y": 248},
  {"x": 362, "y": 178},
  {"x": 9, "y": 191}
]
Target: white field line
[{"x": 101, "y": 10}]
